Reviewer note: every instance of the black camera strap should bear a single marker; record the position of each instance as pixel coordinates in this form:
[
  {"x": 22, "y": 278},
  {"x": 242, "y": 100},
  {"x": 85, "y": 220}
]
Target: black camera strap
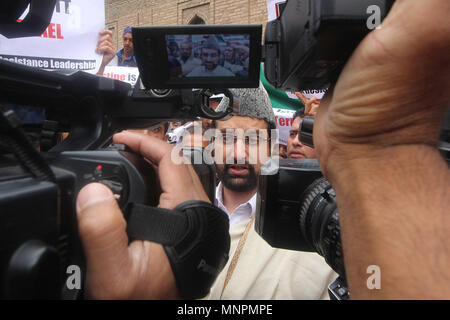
[
  {"x": 195, "y": 236},
  {"x": 14, "y": 139},
  {"x": 155, "y": 224}
]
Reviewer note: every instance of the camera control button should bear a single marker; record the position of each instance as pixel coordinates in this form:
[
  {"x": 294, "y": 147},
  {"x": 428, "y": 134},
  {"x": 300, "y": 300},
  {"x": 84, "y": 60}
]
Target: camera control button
[{"x": 115, "y": 186}]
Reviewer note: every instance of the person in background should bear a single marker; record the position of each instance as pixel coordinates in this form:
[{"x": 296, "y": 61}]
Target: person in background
[
  {"x": 123, "y": 57},
  {"x": 187, "y": 60},
  {"x": 295, "y": 149},
  {"x": 230, "y": 61},
  {"x": 282, "y": 151},
  {"x": 158, "y": 131}
]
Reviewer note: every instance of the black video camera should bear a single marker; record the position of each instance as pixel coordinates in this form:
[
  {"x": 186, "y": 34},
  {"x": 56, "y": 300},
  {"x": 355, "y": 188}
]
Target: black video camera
[
  {"x": 38, "y": 189},
  {"x": 40, "y": 241},
  {"x": 306, "y": 48}
]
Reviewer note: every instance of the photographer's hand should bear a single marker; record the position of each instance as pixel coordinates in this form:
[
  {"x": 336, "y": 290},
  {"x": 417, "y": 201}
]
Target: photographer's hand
[
  {"x": 140, "y": 270},
  {"x": 376, "y": 139}
]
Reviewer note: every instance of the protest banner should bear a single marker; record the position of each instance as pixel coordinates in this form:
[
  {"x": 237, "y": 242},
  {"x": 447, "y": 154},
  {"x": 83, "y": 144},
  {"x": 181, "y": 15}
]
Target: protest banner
[
  {"x": 126, "y": 74},
  {"x": 273, "y": 9},
  {"x": 317, "y": 93},
  {"x": 283, "y": 120},
  {"x": 69, "y": 41}
]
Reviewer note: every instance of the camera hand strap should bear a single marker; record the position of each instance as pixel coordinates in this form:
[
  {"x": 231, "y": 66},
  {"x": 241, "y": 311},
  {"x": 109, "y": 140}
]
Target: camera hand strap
[{"x": 195, "y": 236}]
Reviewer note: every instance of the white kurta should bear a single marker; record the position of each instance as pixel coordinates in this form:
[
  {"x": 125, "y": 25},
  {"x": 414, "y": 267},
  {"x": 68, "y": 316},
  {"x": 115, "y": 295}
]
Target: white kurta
[{"x": 263, "y": 272}]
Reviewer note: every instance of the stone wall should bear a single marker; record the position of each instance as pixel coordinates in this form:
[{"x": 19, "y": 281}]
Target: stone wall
[{"x": 122, "y": 13}]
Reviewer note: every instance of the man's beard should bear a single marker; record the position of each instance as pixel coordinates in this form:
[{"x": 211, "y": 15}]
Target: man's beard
[
  {"x": 184, "y": 58},
  {"x": 128, "y": 51},
  {"x": 210, "y": 66},
  {"x": 239, "y": 183}
]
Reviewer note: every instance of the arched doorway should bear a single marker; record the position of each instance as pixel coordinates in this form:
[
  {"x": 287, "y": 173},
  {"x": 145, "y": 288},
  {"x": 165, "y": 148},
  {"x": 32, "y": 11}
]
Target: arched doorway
[{"x": 197, "y": 20}]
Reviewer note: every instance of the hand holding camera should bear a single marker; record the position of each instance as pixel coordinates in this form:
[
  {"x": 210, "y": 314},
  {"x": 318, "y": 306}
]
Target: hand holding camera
[
  {"x": 141, "y": 269},
  {"x": 378, "y": 127}
]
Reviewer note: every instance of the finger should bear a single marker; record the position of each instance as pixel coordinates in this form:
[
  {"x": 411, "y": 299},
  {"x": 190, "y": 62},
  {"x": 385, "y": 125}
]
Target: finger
[
  {"x": 105, "y": 40},
  {"x": 179, "y": 183},
  {"x": 102, "y": 230},
  {"x": 198, "y": 185},
  {"x": 149, "y": 147},
  {"x": 105, "y": 49},
  {"x": 307, "y": 106},
  {"x": 176, "y": 181},
  {"x": 105, "y": 32},
  {"x": 301, "y": 97},
  {"x": 106, "y": 37},
  {"x": 313, "y": 110}
]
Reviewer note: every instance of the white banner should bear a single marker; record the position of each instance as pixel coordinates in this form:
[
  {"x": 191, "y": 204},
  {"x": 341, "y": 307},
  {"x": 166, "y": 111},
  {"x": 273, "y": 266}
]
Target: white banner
[
  {"x": 308, "y": 94},
  {"x": 126, "y": 74},
  {"x": 283, "y": 119},
  {"x": 69, "y": 41},
  {"x": 273, "y": 9}
]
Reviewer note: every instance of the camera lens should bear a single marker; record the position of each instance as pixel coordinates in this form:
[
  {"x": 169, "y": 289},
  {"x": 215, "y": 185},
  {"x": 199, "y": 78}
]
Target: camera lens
[
  {"x": 161, "y": 93},
  {"x": 319, "y": 223}
]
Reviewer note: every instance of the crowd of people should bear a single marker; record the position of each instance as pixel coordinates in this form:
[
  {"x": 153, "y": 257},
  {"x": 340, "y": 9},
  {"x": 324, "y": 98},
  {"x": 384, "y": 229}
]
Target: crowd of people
[
  {"x": 208, "y": 55},
  {"x": 376, "y": 143}
]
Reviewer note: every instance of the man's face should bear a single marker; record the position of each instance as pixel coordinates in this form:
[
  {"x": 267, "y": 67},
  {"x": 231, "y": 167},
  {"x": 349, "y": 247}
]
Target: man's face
[
  {"x": 295, "y": 149},
  {"x": 245, "y": 155},
  {"x": 228, "y": 53},
  {"x": 210, "y": 58},
  {"x": 186, "y": 50},
  {"x": 158, "y": 132},
  {"x": 207, "y": 123},
  {"x": 176, "y": 124},
  {"x": 243, "y": 54},
  {"x": 128, "y": 44},
  {"x": 173, "y": 48},
  {"x": 246, "y": 62}
]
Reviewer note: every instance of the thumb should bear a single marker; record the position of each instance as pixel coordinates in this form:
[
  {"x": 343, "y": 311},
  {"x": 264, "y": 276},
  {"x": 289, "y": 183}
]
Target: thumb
[{"x": 102, "y": 230}]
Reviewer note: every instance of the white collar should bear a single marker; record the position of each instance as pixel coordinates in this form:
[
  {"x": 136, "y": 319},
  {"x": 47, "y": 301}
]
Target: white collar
[{"x": 243, "y": 212}]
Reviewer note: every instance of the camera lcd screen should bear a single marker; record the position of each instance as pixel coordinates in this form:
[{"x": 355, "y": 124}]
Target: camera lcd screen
[
  {"x": 208, "y": 55},
  {"x": 198, "y": 56}
]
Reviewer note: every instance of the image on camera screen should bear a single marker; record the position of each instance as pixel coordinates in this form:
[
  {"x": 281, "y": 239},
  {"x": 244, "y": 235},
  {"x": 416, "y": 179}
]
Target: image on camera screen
[{"x": 208, "y": 55}]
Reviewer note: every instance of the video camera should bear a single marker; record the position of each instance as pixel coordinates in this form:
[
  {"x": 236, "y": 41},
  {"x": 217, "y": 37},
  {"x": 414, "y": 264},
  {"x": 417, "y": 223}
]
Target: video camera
[
  {"x": 38, "y": 222},
  {"x": 38, "y": 190},
  {"x": 305, "y": 48}
]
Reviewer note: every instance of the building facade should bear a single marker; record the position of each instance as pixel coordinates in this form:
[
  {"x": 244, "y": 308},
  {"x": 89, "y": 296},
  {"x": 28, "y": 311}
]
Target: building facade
[{"x": 122, "y": 13}]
